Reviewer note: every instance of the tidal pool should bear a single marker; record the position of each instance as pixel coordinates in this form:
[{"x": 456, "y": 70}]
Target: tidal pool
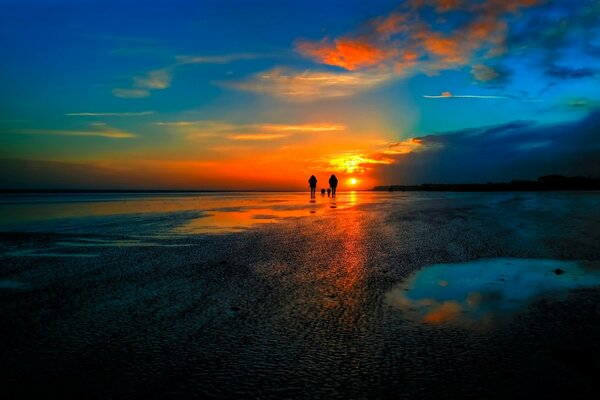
[{"x": 486, "y": 292}]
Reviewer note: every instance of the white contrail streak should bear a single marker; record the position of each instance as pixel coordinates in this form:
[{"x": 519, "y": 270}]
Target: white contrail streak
[{"x": 464, "y": 96}]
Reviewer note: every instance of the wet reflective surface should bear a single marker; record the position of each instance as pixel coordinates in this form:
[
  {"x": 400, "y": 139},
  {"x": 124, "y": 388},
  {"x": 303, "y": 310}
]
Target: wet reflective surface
[
  {"x": 486, "y": 292},
  {"x": 273, "y": 296},
  {"x": 194, "y": 213}
]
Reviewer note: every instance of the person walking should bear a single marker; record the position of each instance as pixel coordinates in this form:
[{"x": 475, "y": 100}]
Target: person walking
[
  {"x": 333, "y": 182},
  {"x": 312, "y": 182}
]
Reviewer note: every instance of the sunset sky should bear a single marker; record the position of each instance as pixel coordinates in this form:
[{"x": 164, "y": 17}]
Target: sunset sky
[{"x": 261, "y": 94}]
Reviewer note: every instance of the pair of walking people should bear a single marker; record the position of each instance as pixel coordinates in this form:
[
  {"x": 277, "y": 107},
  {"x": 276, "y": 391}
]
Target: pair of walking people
[{"x": 312, "y": 182}]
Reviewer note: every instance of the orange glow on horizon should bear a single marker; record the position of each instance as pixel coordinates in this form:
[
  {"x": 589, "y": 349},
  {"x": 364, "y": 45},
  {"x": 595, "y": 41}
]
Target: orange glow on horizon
[{"x": 264, "y": 155}]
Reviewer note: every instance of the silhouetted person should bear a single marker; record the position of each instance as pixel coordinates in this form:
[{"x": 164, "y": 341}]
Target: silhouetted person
[
  {"x": 312, "y": 181},
  {"x": 322, "y": 192},
  {"x": 328, "y": 192},
  {"x": 333, "y": 181}
]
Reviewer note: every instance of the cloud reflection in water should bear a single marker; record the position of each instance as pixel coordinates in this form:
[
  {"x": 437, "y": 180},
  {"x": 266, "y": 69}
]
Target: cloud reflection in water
[{"x": 485, "y": 292}]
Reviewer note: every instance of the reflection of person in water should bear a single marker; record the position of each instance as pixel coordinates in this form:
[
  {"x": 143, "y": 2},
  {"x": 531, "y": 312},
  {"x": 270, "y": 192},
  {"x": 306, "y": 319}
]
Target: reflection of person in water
[
  {"x": 322, "y": 192},
  {"x": 312, "y": 181},
  {"x": 333, "y": 182}
]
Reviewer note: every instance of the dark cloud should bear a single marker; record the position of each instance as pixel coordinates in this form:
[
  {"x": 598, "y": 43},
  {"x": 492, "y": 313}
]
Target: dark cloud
[
  {"x": 517, "y": 150},
  {"x": 560, "y": 72},
  {"x": 38, "y": 174},
  {"x": 549, "y": 34},
  {"x": 581, "y": 103},
  {"x": 492, "y": 76}
]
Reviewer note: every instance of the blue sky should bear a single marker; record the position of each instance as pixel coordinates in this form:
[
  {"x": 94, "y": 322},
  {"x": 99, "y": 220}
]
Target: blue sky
[{"x": 261, "y": 94}]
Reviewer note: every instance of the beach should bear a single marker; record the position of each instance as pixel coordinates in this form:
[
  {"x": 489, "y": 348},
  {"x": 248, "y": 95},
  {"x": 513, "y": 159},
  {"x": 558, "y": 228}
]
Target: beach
[{"x": 272, "y": 295}]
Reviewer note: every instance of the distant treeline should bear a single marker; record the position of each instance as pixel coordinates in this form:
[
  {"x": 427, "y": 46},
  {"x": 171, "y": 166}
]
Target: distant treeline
[{"x": 548, "y": 182}]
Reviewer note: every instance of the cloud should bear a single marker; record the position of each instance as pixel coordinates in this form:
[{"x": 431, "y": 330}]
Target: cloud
[
  {"x": 406, "y": 41},
  {"x": 409, "y": 37},
  {"x": 154, "y": 80},
  {"x": 490, "y": 76},
  {"x": 349, "y": 54},
  {"x": 361, "y": 161},
  {"x": 563, "y": 72},
  {"x": 449, "y": 95},
  {"x": 308, "y": 85},
  {"x": 305, "y": 128},
  {"x": 355, "y": 161},
  {"x": 404, "y": 147},
  {"x": 258, "y": 136},
  {"x": 208, "y": 128},
  {"x": 110, "y": 114},
  {"x": 130, "y": 93},
  {"x": 98, "y": 129},
  {"x": 516, "y": 150},
  {"x": 37, "y": 174},
  {"x": 143, "y": 85},
  {"x": 566, "y": 32},
  {"x": 582, "y": 103},
  {"x": 162, "y": 78},
  {"x": 218, "y": 59}
]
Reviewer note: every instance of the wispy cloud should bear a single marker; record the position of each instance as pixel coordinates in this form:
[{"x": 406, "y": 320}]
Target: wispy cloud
[
  {"x": 258, "y": 136},
  {"x": 582, "y": 103},
  {"x": 99, "y": 129},
  {"x": 308, "y": 85},
  {"x": 110, "y": 114},
  {"x": 218, "y": 59},
  {"x": 493, "y": 76},
  {"x": 130, "y": 93},
  {"x": 236, "y": 131},
  {"x": 404, "y": 147},
  {"x": 154, "y": 80},
  {"x": 562, "y": 72},
  {"x": 306, "y": 128},
  {"x": 161, "y": 79}
]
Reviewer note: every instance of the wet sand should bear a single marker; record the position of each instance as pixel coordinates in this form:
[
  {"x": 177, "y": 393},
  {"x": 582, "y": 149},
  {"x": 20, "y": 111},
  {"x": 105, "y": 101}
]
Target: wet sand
[{"x": 295, "y": 302}]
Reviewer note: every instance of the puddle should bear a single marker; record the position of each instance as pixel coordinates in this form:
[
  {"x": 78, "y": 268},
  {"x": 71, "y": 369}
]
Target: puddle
[
  {"x": 485, "y": 292},
  {"x": 239, "y": 220}
]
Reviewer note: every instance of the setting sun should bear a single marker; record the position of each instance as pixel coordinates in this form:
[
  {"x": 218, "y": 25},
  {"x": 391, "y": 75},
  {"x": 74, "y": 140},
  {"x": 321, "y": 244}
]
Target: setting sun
[{"x": 353, "y": 181}]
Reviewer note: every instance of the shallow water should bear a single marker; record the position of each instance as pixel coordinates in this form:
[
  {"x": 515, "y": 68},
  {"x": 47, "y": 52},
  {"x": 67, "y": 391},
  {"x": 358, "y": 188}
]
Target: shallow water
[
  {"x": 187, "y": 213},
  {"x": 486, "y": 292}
]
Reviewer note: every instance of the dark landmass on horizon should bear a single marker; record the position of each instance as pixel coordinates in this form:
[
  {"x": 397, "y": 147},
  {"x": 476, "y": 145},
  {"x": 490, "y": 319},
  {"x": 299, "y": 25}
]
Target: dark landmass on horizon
[{"x": 543, "y": 183}]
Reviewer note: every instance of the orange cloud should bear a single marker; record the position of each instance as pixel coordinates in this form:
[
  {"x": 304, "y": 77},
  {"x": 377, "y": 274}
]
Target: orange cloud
[
  {"x": 306, "y": 128},
  {"x": 390, "y": 46},
  {"x": 404, "y": 147},
  {"x": 257, "y": 136},
  {"x": 483, "y": 35},
  {"x": 349, "y": 54},
  {"x": 448, "y": 50},
  {"x": 390, "y": 25}
]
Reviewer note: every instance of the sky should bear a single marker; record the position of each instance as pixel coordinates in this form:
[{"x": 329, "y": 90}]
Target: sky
[{"x": 257, "y": 94}]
